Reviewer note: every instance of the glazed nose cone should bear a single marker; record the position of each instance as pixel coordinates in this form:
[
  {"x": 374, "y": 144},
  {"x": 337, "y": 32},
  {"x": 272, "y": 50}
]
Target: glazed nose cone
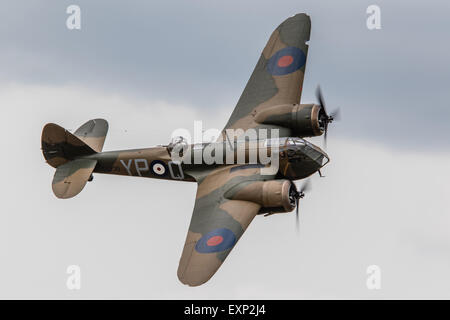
[{"x": 316, "y": 154}]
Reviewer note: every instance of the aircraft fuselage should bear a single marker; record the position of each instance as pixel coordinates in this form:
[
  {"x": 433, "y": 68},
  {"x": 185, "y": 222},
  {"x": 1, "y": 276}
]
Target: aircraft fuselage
[{"x": 296, "y": 159}]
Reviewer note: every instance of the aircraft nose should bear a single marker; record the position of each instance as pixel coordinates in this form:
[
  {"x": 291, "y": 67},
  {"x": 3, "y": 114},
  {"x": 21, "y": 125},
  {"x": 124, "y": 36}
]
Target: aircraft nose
[{"x": 317, "y": 155}]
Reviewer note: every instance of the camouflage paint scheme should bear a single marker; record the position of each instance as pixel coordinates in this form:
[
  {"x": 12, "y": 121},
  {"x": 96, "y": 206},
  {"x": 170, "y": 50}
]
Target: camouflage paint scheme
[
  {"x": 228, "y": 196},
  {"x": 265, "y": 90}
]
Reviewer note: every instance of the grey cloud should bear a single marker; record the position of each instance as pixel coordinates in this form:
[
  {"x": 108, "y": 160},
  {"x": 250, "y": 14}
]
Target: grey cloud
[
  {"x": 391, "y": 84},
  {"x": 375, "y": 206}
]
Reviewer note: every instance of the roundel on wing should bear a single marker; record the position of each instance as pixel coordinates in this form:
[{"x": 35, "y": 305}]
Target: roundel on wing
[
  {"x": 285, "y": 61},
  {"x": 158, "y": 167},
  {"x": 216, "y": 241}
]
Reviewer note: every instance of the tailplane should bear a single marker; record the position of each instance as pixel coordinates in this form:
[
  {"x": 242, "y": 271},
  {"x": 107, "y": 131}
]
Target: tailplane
[
  {"x": 65, "y": 151},
  {"x": 71, "y": 177}
]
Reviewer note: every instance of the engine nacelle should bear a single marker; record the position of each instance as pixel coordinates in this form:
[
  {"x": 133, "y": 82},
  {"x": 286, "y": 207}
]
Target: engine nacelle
[
  {"x": 302, "y": 119},
  {"x": 274, "y": 196}
]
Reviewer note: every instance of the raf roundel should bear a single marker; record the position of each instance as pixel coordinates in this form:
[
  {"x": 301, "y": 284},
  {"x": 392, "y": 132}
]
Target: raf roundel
[
  {"x": 286, "y": 61},
  {"x": 216, "y": 241},
  {"x": 158, "y": 167}
]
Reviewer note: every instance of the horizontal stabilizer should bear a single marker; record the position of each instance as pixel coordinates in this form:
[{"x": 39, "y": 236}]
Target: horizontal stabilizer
[
  {"x": 71, "y": 177},
  {"x": 93, "y": 133}
]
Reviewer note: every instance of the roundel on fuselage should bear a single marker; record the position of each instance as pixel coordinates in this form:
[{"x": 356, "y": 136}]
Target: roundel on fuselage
[{"x": 158, "y": 167}]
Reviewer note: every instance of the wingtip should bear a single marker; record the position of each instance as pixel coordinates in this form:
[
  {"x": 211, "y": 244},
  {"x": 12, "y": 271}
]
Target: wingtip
[
  {"x": 191, "y": 284},
  {"x": 195, "y": 273},
  {"x": 192, "y": 281},
  {"x": 192, "y": 278}
]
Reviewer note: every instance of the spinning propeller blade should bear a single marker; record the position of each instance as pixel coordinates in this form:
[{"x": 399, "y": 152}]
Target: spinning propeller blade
[
  {"x": 300, "y": 194},
  {"x": 324, "y": 118}
]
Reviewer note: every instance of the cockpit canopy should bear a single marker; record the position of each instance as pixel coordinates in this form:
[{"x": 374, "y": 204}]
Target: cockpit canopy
[
  {"x": 286, "y": 141},
  {"x": 296, "y": 141}
]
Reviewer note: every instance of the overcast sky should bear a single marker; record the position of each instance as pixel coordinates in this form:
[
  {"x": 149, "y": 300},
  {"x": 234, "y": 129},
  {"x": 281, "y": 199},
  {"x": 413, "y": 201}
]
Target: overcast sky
[
  {"x": 391, "y": 83},
  {"x": 150, "y": 68}
]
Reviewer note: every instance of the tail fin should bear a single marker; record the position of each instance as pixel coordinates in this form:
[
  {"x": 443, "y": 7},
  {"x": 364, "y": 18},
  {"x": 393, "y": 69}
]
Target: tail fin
[
  {"x": 62, "y": 150},
  {"x": 59, "y": 146}
]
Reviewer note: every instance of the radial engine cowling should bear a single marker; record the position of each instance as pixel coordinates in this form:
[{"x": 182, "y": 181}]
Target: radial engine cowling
[
  {"x": 274, "y": 196},
  {"x": 302, "y": 119}
]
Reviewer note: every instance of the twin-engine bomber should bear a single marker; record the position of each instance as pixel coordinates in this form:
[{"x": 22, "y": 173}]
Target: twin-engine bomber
[{"x": 229, "y": 195}]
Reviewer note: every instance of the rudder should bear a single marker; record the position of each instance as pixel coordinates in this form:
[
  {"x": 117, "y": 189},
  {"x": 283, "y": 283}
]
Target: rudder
[
  {"x": 65, "y": 151},
  {"x": 59, "y": 146}
]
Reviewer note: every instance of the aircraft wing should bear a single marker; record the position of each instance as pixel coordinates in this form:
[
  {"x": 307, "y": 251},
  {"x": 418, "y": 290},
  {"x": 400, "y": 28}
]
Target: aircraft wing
[
  {"x": 217, "y": 223},
  {"x": 278, "y": 76}
]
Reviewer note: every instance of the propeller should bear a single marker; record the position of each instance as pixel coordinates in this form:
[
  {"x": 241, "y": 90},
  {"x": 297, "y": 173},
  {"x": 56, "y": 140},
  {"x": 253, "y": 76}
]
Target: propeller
[
  {"x": 297, "y": 195},
  {"x": 324, "y": 117}
]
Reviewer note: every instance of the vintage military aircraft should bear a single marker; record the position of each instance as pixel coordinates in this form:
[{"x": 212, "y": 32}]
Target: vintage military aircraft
[{"x": 229, "y": 196}]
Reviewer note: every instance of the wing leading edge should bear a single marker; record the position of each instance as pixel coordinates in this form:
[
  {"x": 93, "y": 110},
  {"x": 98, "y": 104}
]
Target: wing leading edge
[
  {"x": 217, "y": 223},
  {"x": 278, "y": 76}
]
